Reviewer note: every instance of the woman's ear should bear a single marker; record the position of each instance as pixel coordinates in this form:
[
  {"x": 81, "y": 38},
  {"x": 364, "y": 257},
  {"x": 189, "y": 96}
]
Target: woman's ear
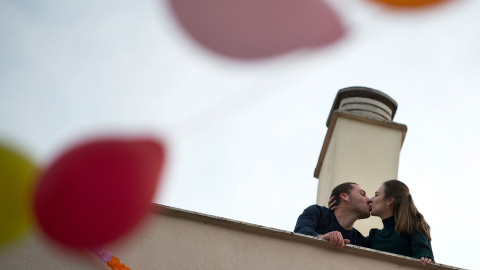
[{"x": 390, "y": 201}]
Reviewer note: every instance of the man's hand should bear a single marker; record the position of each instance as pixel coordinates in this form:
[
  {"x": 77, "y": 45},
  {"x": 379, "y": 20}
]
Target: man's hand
[{"x": 335, "y": 238}]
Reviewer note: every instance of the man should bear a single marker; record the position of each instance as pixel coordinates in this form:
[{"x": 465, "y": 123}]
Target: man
[{"x": 350, "y": 202}]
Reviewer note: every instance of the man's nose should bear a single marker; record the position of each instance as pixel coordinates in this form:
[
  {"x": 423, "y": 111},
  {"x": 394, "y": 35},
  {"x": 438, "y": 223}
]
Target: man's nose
[{"x": 369, "y": 201}]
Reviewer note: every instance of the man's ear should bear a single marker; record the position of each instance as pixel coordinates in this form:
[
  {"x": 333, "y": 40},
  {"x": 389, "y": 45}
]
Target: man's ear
[{"x": 345, "y": 197}]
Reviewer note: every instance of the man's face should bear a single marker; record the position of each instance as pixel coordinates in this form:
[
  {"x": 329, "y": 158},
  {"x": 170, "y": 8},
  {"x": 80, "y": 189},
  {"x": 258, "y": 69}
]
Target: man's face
[{"x": 359, "y": 202}]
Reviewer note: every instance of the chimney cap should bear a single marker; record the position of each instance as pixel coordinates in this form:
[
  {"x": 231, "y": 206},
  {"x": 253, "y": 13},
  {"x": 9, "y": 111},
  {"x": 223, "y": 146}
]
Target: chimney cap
[{"x": 362, "y": 92}]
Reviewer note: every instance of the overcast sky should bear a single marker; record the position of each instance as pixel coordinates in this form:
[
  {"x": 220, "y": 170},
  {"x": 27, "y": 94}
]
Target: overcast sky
[{"x": 244, "y": 136}]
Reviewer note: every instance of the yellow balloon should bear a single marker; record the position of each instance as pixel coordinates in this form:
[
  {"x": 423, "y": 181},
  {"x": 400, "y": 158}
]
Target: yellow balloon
[{"x": 17, "y": 174}]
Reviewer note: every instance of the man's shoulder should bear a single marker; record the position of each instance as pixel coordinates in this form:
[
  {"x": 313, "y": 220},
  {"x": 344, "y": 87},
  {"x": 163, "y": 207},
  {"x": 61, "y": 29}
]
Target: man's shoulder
[{"x": 318, "y": 208}]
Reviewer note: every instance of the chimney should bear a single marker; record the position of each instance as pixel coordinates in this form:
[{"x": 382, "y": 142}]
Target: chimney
[{"x": 362, "y": 145}]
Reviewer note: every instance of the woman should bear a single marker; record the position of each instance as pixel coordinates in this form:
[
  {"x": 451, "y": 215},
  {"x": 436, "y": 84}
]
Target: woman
[{"x": 405, "y": 231}]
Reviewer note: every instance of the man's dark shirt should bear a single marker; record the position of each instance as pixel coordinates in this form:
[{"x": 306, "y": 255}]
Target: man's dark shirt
[{"x": 317, "y": 220}]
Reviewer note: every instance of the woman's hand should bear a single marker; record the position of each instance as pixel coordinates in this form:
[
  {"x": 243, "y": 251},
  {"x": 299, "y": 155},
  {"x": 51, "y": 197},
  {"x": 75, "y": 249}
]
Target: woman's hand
[
  {"x": 425, "y": 261},
  {"x": 331, "y": 202}
]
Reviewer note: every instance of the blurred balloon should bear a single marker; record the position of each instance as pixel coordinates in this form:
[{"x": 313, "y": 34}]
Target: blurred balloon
[
  {"x": 17, "y": 174},
  {"x": 99, "y": 190},
  {"x": 410, "y": 3},
  {"x": 252, "y": 29}
]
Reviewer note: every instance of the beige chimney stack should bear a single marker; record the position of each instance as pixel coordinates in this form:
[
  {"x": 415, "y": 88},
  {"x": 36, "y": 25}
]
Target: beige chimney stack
[{"x": 362, "y": 145}]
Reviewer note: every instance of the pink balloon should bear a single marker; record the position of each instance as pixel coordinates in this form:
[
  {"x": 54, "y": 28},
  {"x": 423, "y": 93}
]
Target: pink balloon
[
  {"x": 258, "y": 28},
  {"x": 99, "y": 190}
]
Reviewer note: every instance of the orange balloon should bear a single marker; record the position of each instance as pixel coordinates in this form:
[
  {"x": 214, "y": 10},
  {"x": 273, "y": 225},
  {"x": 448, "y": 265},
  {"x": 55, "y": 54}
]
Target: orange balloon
[{"x": 410, "y": 3}]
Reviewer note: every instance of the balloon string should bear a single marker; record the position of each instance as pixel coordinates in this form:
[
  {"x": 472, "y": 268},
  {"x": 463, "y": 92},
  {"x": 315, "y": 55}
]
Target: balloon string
[
  {"x": 102, "y": 254},
  {"x": 108, "y": 258}
]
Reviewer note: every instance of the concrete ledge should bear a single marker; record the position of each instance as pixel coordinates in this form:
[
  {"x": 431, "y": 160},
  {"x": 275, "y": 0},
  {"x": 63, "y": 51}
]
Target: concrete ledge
[
  {"x": 375, "y": 259},
  {"x": 172, "y": 238}
]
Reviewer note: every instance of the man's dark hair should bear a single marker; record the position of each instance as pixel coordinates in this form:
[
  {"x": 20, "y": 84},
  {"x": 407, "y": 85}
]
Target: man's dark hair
[{"x": 342, "y": 188}]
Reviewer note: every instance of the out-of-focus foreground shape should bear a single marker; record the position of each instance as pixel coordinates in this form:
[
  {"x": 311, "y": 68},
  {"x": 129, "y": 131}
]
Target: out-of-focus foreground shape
[
  {"x": 410, "y": 3},
  {"x": 17, "y": 177},
  {"x": 253, "y": 29}
]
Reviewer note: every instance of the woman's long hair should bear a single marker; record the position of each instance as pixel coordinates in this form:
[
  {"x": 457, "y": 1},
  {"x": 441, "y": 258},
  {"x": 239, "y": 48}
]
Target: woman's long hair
[{"x": 407, "y": 218}]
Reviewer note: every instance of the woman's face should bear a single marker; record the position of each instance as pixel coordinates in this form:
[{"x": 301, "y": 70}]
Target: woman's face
[{"x": 380, "y": 206}]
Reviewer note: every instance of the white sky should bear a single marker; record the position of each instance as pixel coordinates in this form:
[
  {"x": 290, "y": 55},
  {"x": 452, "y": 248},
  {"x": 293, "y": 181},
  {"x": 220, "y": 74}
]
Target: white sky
[{"x": 244, "y": 137}]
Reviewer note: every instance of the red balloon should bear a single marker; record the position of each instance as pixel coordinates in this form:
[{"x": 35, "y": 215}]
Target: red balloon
[
  {"x": 250, "y": 29},
  {"x": 99, "y": 190}
]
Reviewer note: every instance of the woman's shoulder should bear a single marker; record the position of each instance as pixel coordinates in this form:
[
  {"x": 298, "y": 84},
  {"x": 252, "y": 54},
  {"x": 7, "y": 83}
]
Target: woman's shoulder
[
  {"x": 417, "y": 235},
  {"x": 373, "y": 232}
]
